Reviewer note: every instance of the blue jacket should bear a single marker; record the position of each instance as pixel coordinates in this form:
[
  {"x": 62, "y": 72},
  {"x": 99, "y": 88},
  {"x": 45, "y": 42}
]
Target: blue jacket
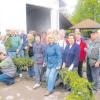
[
  {"x": 53, "y": 56},
  {"x": 71, "y": 55}
]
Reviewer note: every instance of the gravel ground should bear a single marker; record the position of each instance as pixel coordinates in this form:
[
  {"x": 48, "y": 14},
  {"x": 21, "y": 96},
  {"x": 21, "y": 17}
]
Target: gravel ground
[{"x": 23, "y": 90}]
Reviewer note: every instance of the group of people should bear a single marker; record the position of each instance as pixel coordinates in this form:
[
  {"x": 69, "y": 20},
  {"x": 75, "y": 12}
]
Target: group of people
[{"x": 51, "y": 50}]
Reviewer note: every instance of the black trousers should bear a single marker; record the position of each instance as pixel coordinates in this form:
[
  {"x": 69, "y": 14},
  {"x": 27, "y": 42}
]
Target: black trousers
[
  {"x": 80, "y": 67},
  {"x": 88, "y": 72}
]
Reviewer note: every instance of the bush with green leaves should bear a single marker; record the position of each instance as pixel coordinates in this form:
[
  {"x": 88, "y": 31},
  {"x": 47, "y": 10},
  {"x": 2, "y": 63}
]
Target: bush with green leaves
[
  {"x": 81, "y": 88},
  {"x": 23, "y": 63}
]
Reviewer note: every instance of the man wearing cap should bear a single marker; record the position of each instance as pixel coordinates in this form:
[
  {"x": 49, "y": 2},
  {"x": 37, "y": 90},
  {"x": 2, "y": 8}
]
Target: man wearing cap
[{"x": 93, "y": 54}]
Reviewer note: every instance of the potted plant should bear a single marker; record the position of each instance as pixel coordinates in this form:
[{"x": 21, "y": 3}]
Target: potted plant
[
  {"x": 80, "y": 87},
  {"x": 22, "y": 63}
]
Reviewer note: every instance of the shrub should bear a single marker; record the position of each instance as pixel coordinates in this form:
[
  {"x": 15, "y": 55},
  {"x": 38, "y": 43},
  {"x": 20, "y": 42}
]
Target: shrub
[
  {"x": 23, "y": 63},
  {"x": 81, "y": 88}
]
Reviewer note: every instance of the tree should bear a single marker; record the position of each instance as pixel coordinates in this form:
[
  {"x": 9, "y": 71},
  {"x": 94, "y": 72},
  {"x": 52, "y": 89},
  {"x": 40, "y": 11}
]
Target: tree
[{"x": 86, "y": 9}]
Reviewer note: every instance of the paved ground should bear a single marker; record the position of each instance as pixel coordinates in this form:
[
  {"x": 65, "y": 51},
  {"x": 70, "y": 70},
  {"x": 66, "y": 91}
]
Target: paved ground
[{"x": 22, "y": 90}]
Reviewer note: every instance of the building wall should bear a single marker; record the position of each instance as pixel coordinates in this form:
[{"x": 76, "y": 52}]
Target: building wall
[
  {"x": 44, "y": 3},
  {"x": 38, "y": 19},
  {"x": 13, "y": 13}
]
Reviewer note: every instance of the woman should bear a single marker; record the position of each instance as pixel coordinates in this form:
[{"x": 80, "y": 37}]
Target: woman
[
  {"x": 53, "y": 60},
  {"x": 38, "y": 50},
  {"x": 71, "y": 54}
]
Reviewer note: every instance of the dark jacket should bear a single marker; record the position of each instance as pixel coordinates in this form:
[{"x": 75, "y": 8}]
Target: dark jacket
[
  {"x": 71, "y": 55},
  {"x": 38, "y": 51}
]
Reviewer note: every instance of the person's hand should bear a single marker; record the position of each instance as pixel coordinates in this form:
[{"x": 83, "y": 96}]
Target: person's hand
[
  {"x": 63, "y": 66},
  {"x": 71, "y": 67},
  {"x": 30, "y": 44},
  {"x": 44, "y": 65},
  {"x": 97, "y": 64},
  {"x": 25, "y": 47},
  {"x": 17, "y": 51},
  {"x": 85, "y": 49},
  {"x": 58, "y": 67}
]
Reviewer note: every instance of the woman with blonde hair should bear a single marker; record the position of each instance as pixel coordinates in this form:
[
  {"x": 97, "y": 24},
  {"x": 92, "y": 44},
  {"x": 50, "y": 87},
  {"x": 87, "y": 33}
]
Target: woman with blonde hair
[{"x": 53, "y": 61}]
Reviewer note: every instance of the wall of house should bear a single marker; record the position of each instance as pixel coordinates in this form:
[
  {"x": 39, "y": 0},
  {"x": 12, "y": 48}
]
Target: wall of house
[
  {"x": 54, "y": 13},
  {"x": 38, "y": 19},
  {"x": 13, "y": 13},
  {"x": 44, "y": 3}
]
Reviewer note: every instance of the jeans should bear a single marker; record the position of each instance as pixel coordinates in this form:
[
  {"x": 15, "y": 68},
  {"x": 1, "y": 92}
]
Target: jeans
[
  {"x": 31, "y": 71},
  {"x": 21, "y": 53},
  {"x": 51, "y": 76},
  {"x": 6, "y": 79},
  {"x": 38, "y": 72},
  {"x": 95, "y": 75},
  {"x": 11, "y": 54},
  {"x": 31, "y": 68}
]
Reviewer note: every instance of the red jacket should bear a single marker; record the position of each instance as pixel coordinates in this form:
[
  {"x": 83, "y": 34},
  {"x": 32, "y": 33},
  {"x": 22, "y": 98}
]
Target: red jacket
[{"x": 83, "y": 45}]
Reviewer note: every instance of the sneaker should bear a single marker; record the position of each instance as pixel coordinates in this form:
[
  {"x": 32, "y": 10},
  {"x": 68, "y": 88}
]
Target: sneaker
[
  {"x": 20, "y": 75},
  {"x": 36, "y": 86},
  {"x": 48, "y": 93},
  {"x": 11, "y": 83}
]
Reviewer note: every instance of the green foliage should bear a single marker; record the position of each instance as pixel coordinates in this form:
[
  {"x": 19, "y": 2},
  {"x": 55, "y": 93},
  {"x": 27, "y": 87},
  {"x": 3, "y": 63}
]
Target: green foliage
[
  {"x": 86, "y": 33},
  {"x": 23, "y": 63},
  {"x": 86, "y": 9},
  {"x": 81, "y": 88},
  {"x": 68, "y": 32}
]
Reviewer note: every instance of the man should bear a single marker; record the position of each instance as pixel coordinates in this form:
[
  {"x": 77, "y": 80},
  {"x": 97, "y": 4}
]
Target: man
[
  {"x": 13, "y": 44},
  {"x": 83, "y": 47},
  {"x": 93, "y": 53},
  {"x": 7, "y": 69}
]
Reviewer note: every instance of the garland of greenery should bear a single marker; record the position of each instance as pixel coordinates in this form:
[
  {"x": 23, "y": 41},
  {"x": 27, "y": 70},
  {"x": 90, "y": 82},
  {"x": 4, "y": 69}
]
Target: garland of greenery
[{"x": 81, "y": 88}]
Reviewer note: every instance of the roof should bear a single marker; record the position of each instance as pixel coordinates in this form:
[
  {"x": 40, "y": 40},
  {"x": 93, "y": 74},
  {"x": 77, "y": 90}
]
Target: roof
[
  {"x": 64, "y": 22},
  {"x": 86, "y": 24}
]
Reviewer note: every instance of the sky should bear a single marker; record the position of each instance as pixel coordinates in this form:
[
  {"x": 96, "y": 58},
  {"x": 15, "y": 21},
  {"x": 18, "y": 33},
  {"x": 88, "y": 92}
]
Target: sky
[{"x": 70, "y": 5}]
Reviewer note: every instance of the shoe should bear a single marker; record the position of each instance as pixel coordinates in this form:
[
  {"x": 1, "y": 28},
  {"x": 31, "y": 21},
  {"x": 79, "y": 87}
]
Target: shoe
[
  {"x": 48, "y": 93},
  {"x": 36, "y": 86},
  {"x": 20, "y": 75},
  {"x": 11, "y": 83}
]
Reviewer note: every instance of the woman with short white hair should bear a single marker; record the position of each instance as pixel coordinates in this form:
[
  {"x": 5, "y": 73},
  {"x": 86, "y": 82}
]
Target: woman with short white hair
[{"x": 53, "y": 60}]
